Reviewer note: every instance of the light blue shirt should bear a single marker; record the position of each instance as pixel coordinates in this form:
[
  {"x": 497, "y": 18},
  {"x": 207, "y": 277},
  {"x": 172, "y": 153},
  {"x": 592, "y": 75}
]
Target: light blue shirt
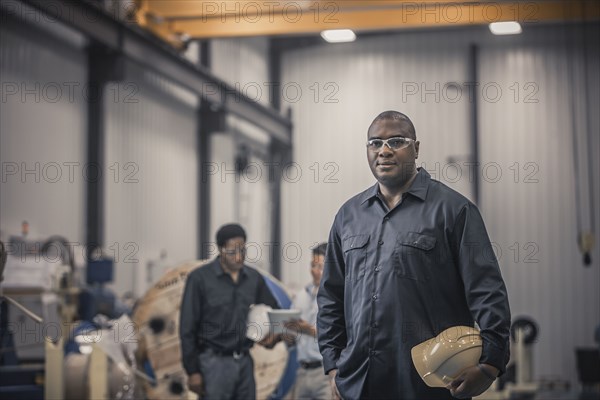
[{"x": 306, "y": 302}]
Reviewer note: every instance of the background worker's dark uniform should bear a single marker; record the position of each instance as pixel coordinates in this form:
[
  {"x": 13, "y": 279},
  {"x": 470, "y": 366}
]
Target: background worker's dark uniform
[{"x": 213, "y": 321}]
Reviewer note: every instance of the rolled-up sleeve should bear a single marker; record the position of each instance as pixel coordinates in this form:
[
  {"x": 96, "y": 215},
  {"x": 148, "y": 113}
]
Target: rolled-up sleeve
[
  {"x": 484, "y": 287},
  {"x": 189, "y": 321},
  {"x": 331, "y": 323}
]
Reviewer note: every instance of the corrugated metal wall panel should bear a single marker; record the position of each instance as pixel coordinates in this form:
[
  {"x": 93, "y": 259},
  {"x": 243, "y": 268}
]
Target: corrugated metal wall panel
[
  {"x": 241, "y": 198},
  {"x": 244, "y": 64},
  {"x": 245, "y": 199},
  {"x": 255, "y": 212},
  {"x": 531, "y": 209},
  {"x": 152, "y": 177},
  {"x": 42, "y": 128},
  {"x": 223, "y": 189}
]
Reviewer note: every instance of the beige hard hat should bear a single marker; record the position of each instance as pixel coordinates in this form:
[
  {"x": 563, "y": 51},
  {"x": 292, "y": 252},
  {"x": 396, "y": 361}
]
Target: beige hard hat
[{"x": 440, "y": 360}]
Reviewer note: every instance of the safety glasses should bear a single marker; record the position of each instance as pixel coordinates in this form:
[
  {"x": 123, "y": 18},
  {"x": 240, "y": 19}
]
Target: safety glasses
[{"x": 393, "y": 143}]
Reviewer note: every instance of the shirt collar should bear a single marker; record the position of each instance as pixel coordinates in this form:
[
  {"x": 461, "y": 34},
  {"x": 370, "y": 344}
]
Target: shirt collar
[
  {"x": 418, "y": 188},
  {"x": 218, "y": 269}
]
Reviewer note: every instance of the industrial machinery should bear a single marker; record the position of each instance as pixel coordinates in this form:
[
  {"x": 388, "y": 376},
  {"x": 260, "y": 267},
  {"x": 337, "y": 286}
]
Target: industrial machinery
[
  {"x": 518, "y": 382},
  {"x": 39, "y": 279},
  {"x": 44, "y": 299},
  {"x": 39, "y": 301},
  {"x": 55, "y": 319}
]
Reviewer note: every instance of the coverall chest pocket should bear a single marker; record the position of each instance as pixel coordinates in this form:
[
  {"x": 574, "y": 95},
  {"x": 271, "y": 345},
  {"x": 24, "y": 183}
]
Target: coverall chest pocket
[
  {"x": 414, "y": 256},
  {"x": 220, "y": 303},
  {"x": 355, "y": 255}
]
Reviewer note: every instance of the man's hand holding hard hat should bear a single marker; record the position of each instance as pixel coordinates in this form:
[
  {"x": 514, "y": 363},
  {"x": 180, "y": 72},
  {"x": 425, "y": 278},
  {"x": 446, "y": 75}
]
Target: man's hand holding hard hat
[{"x": 451, "y": 360}]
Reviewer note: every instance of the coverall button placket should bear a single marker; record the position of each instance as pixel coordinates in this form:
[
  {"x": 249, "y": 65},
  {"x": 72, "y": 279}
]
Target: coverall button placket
[{"x": 377, "y": 268}]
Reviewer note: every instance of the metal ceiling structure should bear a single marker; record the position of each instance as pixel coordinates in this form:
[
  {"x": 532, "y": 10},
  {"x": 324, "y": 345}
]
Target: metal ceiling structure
[
  {"x": 177, "y": 21},
  {"x": 134, "y": 44}
]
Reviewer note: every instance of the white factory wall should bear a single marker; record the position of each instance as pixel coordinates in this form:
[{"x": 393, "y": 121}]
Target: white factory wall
[
  {"x": 151, "y": 162},
  {"x": 42, "y": 131},
  {"x": 150, "y": 156},
  {"x": 242, "y": 198},
  {"x": 531, "y": 210},
  {"x": 245, "y": 197},
  {"x": 223, "y": 186},
  {"x": 244, "y": 64},
  {"x": 151, "y": 190},
  {"x": 255, "y": 212},
  {"x": 237, "y": 197},
  {"x": 545, "y": 277}
]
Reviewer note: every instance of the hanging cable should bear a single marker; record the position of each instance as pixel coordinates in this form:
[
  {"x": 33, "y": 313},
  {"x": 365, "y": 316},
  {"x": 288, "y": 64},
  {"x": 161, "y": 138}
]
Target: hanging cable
[
  {"x": 585, "y": 238},
  {"x": 575, "y": 142},
  {"x": 587, "y": 242}
]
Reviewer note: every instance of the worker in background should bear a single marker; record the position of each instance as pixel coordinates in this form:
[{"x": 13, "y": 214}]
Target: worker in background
[
  {"x": 214, "y": 310},
  {"x": 406, "y": 259},
  {"x": 311, "y": 382}
]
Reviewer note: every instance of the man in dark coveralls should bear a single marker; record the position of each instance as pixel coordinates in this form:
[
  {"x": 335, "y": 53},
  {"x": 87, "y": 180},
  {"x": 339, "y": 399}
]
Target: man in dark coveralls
[
  {"x": 406, "y": 259},
  {"x": 214, "y": 310}
]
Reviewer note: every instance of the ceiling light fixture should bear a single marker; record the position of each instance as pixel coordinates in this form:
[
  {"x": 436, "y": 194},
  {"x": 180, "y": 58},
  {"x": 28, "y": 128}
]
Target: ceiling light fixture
[
  {"x": 505, "y": 28},
  {"x": 338, "y": 35}
]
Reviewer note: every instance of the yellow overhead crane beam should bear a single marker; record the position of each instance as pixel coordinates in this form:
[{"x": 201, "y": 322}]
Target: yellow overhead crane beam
[{"x": 178, "y": 20}]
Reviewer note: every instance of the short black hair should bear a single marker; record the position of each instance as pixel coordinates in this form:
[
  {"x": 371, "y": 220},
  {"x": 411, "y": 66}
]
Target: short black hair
[
  {"x": 320, "y": 249},
  {"x": 229, "y": 231},
  {"x": 392, "y": 115}
]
